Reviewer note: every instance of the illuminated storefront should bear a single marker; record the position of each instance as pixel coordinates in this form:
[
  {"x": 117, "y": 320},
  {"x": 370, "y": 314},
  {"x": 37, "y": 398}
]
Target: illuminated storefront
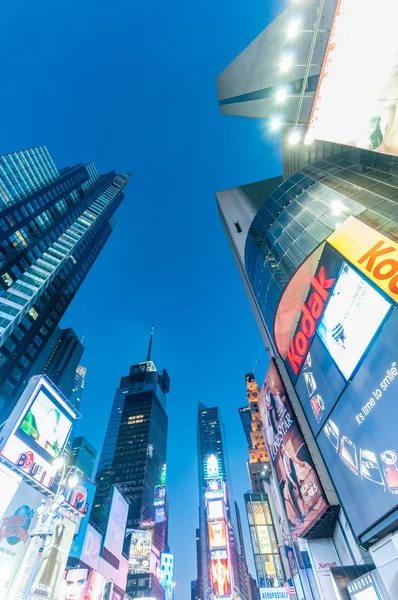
[{"x": 264, "y": 542}]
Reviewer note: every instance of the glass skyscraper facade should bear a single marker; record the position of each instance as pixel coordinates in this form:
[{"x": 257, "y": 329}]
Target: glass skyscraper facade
[
  {"x": 134, "y": 458},
  {"x": 53, "y": 225}
]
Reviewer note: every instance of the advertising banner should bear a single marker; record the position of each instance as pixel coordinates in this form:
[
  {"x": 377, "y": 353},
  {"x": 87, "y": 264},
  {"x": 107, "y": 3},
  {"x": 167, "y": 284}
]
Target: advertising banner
[
  {"x": 90, "y": 552},
  {"x": 37, "y": 431},
  {"x": 16, "y": 525},
  {"x": 214, "y": 487},
  {"x": 9, "y": 482},
  {"x": 211, "y": 466},
  {"x": 81, "y": 528},
  {"x": 359, "y": 440},
  {"x": 50, "y": 572},
  {"x": 357, "y": 96},
  {"x": 217, "y": 534},
  {"x": 81, "y": 584},
  {"x": 298, "y": 482},
  {"x": 116, "y": 528},
  {"x": 221, "y": 579},
  {"x": 215, "y": 510},
  {"x": 371, "y": 252},
  {"x": 279, "y": 593},
  {"x": 140, "y": 551}
]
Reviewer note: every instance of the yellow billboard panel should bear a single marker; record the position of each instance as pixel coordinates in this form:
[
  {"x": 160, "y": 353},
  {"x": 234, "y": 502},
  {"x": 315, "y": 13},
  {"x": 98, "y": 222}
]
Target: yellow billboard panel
[
  {"x": 371, "y": 252},
  {"x": 356, "y": 102}
]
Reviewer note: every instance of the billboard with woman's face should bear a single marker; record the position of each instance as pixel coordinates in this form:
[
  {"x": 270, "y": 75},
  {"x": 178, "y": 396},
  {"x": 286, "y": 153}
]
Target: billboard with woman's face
[{"x": 301, "y": 491}]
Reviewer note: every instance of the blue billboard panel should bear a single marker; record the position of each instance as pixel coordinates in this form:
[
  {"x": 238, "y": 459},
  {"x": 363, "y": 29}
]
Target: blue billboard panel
[
  {"x": 78, "y": 539},
  {"x": 351, "y": 319},
  {"x": 359, "y": 442},
  {"x": 319, "y": 385}
]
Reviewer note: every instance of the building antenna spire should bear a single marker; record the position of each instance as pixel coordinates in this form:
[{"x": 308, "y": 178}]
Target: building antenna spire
[{"x": 148, "y": 357}]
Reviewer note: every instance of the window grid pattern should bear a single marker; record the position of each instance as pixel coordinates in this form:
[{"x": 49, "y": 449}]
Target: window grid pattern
[
  {"x": 22, "y": 173},
  {"x": 25, "y": 291},
  {"x": 307, "y": 207}
]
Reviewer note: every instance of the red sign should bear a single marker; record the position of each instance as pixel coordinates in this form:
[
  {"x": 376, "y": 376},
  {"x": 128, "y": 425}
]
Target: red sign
[{"x": 311, "y": 313}]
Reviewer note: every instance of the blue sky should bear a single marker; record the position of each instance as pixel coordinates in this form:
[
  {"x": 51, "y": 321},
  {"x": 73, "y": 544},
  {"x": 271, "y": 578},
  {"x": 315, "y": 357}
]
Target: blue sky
[{"x": 131, "y": 86}]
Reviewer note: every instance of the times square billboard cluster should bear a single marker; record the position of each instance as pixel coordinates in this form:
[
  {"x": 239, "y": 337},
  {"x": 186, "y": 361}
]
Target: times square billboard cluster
[
  {"x": 48, "y": 547},
  {"x": 217, "y": 507}
]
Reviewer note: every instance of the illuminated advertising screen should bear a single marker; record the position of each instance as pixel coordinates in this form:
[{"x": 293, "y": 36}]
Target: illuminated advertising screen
[
  {"x": 351, "y": 318},
  {"x": 160, "y": 491},
  {"x": 81, "y": 584},
  {"x": 160, "y": 515},
  {"x": 339, "y": 319},
  {"x": 214, "y": 487},
  {"x": 91, "y": 548},
  {"x": 356, "y": 100},
  {"x": 37, "y": 430},
  {"x": 49, "y": 576},
  {"x": 319, "y": 385},
  {"x": 9, "y": 483},
  {"x": 81, "y": 528},
  {"x": 212, "y": 468},
  {"x": 116, "y": 528},
  {"x": 221, "y": 578},
  {"x": 18, "y": 521},
  {"x": 140, "y": 551},
  {"x": 359, "y": 441},
  {"x": 298, "y": 482},
  {"x": 215, "y": 509},
  {"x": 217, "y": 534}
]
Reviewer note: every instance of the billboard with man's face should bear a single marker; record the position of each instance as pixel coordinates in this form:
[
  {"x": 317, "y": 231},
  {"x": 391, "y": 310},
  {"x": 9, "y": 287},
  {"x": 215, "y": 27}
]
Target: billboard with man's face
[
  {"x": 357, "y": 97},
  {"x": 298, "y": 482}
]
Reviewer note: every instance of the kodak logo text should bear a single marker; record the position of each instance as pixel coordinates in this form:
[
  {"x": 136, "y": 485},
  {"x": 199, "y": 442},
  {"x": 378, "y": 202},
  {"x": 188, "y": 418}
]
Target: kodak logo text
[
  {"x": 311, "y": 313},
  {"x": 384, "y": 269}
]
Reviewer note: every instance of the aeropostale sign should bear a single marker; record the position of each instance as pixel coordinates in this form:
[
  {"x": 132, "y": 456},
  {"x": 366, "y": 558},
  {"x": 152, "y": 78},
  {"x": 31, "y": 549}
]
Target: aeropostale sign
[{"x": 371, "y": 252}]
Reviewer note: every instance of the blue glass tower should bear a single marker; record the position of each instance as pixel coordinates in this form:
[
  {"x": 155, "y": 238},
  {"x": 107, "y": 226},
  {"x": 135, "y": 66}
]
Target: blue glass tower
[{"x": 53, "y": 225}]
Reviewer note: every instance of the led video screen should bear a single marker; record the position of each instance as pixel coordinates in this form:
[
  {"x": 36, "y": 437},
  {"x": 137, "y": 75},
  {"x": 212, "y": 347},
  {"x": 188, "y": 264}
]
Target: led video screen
[
  {"x": 357, "y": 98},
  {"x": 215, "y": 509},
  {"x": 221, "y": 578},
  {"x": 351, "y": 319},
  {"x": 359, "y": 441},
  {"x": 45, "y": 426},
  {"x": 217, "y": 534},
  {"x": 319, "y": 385}
]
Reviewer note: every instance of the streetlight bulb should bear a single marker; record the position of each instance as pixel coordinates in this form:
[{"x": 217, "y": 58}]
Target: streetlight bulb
[
  {"x": 275, "y": 124},
  {"x": 281, "y": 95},
  {"x": 286, "y": 63},
  {"x": 73, "y": 480},
  {"x": 294, "y": 138},
  {"x": 58, "y": 463},
  {"x": 293, "y": 29}
]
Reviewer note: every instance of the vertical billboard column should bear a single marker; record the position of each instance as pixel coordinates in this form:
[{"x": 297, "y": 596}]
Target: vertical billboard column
[{"x": 299, "y": 486}]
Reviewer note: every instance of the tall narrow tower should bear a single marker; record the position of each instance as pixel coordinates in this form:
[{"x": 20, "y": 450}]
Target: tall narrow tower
[
  {"x": 134, "y": 457},
  {"x": 221, "y": 573}
]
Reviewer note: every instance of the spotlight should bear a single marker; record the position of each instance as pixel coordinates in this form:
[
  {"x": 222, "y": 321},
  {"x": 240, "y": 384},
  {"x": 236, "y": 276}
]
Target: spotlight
[
  {"x": 286, "y": 64},
  {"x": 73, "y": 481},
  {"x": 275, "y": 124},
  {"x": 281, "y": 95},
  {"x": 293, "y": 29},
  {"x": 294, "y": 138}
]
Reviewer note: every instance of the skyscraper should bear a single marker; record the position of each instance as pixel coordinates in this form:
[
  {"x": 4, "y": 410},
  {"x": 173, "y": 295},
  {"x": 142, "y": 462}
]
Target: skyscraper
[
  {"x": 60, "y": 359},
  {"x": 83, "y": 456},
  {"x": 222, "y": 572},
  {"x": 53, "y": 225},
  {"x": 134, "y": 457},
  {"x": 78, "y": 386}
]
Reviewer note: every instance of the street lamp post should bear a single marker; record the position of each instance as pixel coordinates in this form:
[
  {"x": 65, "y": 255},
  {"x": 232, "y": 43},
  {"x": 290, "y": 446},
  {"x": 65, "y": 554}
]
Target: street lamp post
[{"x": 44, "y": 528}]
